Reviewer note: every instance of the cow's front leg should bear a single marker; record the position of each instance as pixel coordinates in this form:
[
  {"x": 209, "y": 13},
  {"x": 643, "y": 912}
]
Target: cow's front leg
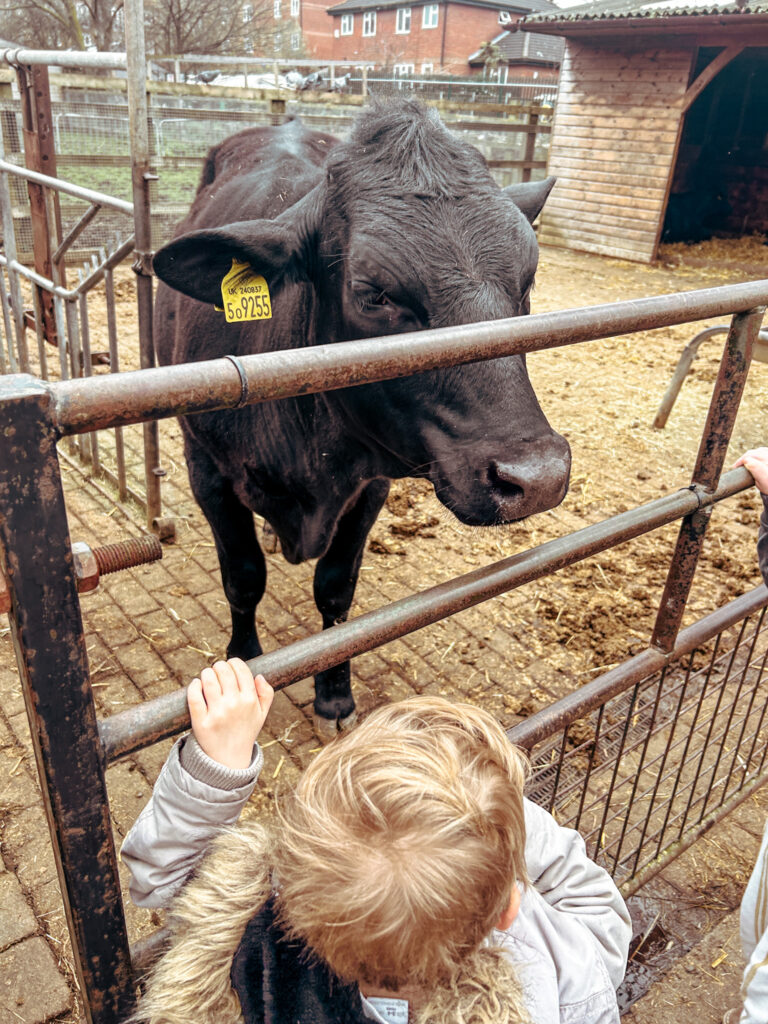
[
  {"x": 243, "y": 569},
  {"x": 335, "y": 581}
]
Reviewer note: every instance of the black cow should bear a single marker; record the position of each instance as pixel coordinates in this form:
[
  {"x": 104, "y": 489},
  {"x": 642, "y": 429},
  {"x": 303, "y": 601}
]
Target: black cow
[{"x": 400, "y": 228}]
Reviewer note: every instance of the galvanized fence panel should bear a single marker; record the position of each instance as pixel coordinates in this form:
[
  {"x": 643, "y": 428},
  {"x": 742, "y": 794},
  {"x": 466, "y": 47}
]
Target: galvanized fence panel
[
  {"x": 79, "y": 221},
  {"x": 649, "y": 756}
]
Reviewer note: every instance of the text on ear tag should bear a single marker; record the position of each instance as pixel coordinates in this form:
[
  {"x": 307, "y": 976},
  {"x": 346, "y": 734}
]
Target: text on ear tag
[{"x": 245, "y": 294}]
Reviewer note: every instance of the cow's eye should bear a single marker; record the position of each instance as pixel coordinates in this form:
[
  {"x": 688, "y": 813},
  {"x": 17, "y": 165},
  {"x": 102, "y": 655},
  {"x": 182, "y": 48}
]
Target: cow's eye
[{"x": 373, "y": 299}]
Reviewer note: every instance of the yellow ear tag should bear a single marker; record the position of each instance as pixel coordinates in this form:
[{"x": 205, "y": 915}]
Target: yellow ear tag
[{"x": 245, "y": 294}]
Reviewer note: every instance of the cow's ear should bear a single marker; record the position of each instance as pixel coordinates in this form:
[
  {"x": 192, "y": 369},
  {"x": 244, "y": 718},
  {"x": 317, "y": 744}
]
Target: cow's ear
[
  {"x": 196, "y": 263},
  {"x": 529, "y": 196}
]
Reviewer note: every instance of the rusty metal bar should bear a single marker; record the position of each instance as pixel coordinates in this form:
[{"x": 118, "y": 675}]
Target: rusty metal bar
[
  {"x": 130, "y": 730},
  {"x": 41, "y": 353},
  {"x": 216, "y": 383},
  {"x": 592, "y": 695},
  {"x": 53, "y": 665},
  {"x": 74, "y": 233},
  {"x": 721, "y": 417},
  {"x": 39, "y": 156},
  {"x": 687, "y": 357}
]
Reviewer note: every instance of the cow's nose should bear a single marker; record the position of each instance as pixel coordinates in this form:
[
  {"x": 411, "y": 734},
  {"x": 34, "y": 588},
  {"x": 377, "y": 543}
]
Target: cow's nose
[{"x": 532, "y": 479}]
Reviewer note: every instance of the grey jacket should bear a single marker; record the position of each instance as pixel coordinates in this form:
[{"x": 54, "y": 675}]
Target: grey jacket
[
  {"x": 569, "y": 941},
  {"x": 762, "y": 541}
]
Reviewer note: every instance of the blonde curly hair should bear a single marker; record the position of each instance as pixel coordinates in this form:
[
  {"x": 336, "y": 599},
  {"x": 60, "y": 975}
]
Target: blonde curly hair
[{"x": 397, "y": 852}]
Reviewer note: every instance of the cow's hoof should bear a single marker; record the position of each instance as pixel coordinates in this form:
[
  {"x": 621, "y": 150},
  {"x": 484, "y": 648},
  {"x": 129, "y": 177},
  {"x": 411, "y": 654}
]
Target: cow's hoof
[
  {"x": 269, "y": 540},
  {"x": 345, "y": 724},
  {"x": 327, "y": 729}
]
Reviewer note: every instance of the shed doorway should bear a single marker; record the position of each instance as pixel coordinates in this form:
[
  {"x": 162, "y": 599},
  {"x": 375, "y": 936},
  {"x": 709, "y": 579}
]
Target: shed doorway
[{"x": 720, "y": 182}]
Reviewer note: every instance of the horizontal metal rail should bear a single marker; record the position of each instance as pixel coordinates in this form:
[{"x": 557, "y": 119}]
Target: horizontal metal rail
[
  {"x": 142, "y": 395},
  {"x": 130, "y": 730},
  {"x": 18, "y": 56},
  {"x": 123, "y": 250},
  {"x": 590, "y": 696},
  {"x": 88, "y": 194}
]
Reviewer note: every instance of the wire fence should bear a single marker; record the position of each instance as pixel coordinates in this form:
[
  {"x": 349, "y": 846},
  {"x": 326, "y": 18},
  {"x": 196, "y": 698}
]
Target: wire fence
[
  {"x": 642, "y": 768},
  {"x": 91, "y": 139}
]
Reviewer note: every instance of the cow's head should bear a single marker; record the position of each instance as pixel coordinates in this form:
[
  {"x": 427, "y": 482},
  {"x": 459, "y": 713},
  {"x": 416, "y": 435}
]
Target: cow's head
[{"x": 409, "y": 231}]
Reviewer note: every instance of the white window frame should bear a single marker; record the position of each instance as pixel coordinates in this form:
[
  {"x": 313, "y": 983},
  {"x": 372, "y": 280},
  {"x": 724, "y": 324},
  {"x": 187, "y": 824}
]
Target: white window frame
[
  {"x": 347, "y": 27},
  {"x": 401, "y": 70},
  {"x": 295, "y": 8},
  {"x": 403, "y": 21},
  {"x": 295, "y": 40},
  {"x": 248, "y": 13},
  {"x": 369, "y": 23},
  {"x": 276, "y": 9},
  {"x": 427, "y": 69},
  {"x": 430, "y": 15}
]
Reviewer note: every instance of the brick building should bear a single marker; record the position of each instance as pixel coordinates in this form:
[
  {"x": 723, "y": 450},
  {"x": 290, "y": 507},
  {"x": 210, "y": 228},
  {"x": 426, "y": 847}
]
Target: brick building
[
  {"x": 316, "y": 28},
  {"x": 420, "y": 37}
]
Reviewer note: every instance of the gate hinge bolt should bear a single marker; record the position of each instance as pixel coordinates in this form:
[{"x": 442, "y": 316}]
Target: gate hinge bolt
[{"x": 92, "y": 563}]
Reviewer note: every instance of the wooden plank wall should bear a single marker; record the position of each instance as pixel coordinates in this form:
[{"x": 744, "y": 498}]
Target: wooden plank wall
[{"x": 613, "y": 145}]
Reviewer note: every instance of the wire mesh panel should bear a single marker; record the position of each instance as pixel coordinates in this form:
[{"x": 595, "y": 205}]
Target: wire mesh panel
[{"x": 647, "y": 769}]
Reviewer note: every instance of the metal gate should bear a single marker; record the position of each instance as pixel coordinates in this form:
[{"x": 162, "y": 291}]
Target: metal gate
[
  {"x": 37, "y": 297},
  {"x": 652, "y": 769}
]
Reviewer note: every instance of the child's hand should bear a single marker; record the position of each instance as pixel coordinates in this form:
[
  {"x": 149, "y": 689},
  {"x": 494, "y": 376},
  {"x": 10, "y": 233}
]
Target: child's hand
[
  {"x": 228, "y": 708},
  {"x": 756, "y": 461}
]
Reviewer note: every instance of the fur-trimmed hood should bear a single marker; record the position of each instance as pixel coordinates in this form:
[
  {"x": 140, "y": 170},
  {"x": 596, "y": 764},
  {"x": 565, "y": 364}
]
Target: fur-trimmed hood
[{"x": 230, "y": 897}]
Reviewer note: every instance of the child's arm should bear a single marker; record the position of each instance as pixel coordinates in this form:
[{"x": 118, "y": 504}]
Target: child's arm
[
  {"x": 571, "y": 883},
  {"x": 204, "y": 784},
  {"x": 756, "y": 461}
]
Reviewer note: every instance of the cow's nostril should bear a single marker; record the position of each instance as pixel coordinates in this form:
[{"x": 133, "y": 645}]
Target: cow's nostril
[{"x": 505, "y": 482}]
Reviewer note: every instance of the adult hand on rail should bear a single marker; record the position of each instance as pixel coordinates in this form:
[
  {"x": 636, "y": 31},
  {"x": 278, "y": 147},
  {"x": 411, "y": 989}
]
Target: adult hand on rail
[
  {"x": 756, "y": 461},
  {"x": 228, "y": 708}
]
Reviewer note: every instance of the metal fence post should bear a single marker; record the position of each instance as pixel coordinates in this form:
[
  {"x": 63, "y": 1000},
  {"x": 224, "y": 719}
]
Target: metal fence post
[
  {"x": 39, "y": 155},
  {"x": 723, "y": 408},
  {"x": 138, "y": 116},
  {"x": 53, "y": 666}
]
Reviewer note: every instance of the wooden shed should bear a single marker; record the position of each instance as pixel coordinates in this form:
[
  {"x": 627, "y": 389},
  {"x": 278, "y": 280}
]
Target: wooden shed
[{"x": 661, "y": 124}]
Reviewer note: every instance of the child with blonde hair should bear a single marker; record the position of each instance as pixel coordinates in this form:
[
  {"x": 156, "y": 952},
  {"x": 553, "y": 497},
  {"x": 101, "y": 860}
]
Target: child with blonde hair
[
  {"x": 753, "y": 917},
  {"x": 406, "y": 880}
]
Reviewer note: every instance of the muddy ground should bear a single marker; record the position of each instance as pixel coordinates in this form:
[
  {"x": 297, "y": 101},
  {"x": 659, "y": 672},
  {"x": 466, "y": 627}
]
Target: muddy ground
[{"x": 149, "y": 631}]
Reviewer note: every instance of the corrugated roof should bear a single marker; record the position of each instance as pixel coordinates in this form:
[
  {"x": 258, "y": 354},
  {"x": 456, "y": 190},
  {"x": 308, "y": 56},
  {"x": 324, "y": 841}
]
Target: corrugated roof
[
  {"x": 516, "y": 6},
  {"x": 606, "y": 10},
  {"x": 527, "y": 46}
]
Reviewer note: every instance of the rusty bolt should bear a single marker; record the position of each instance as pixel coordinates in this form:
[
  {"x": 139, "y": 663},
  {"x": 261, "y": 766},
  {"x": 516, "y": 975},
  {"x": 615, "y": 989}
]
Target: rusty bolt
[
  {"x": 86, "y": 567},
  {"x": 91, "y": 564}
]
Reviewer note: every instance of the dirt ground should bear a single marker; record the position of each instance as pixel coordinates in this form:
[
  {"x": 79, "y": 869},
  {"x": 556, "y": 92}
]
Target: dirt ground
[{"x": 150, "y": 630}]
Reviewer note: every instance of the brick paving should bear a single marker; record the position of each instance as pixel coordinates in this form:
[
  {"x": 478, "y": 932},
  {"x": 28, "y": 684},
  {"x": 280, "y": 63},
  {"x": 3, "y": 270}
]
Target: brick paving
[{"x": 150, "y": 630}]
